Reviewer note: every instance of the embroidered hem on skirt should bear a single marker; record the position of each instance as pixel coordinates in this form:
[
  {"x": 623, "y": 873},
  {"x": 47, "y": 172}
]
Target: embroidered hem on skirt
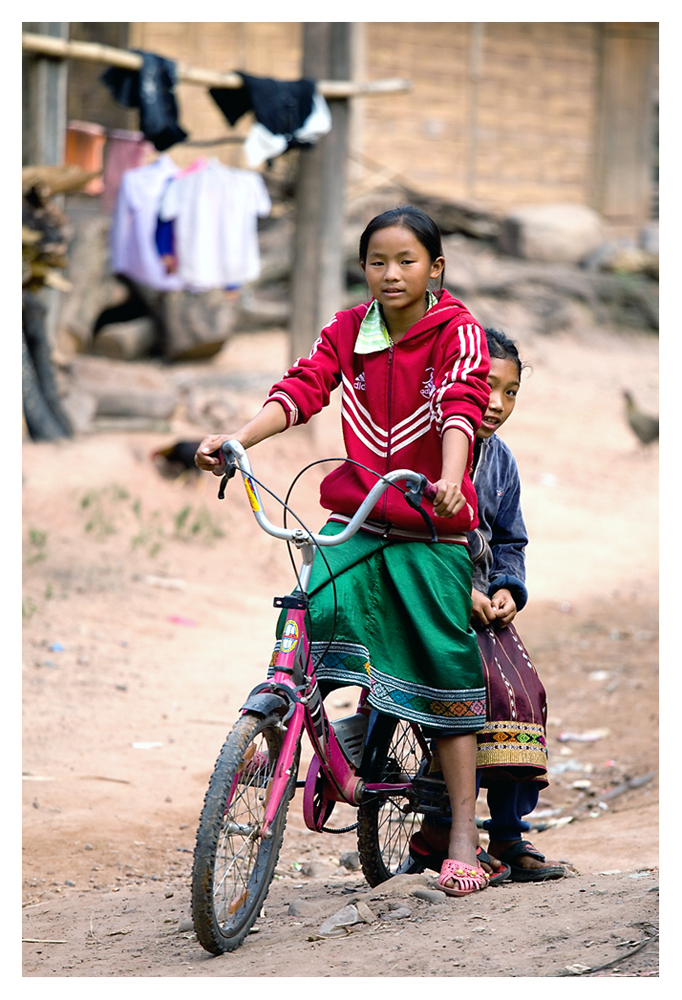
[{"x": 513, "y": 742}]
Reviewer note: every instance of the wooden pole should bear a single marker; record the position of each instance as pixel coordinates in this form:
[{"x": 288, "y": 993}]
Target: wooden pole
[
  {"x": 332, "y": 281},
  {"x": 59, "y": 48},
  {"x": 44, "y": 96},
  {"x": 476, "y": 29},
  {"x": 318, "y": 278}
]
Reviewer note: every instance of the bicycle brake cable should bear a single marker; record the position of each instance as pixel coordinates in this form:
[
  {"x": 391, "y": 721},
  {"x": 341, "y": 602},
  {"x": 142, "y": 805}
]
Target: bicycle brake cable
[
  {"x": 407, "y": 494},
  {"x": 287, "y": 509},
  {"x": 307, "y": 529}
]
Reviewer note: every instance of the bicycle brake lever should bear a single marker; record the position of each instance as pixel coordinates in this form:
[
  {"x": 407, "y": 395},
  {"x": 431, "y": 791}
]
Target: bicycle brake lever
[
  {"x": 230, "y": 469},
  {"x": 414, "y": 494}
]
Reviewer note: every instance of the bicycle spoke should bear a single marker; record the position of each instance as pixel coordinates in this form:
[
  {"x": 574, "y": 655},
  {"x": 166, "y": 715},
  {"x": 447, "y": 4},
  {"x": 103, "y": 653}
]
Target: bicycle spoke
[{"x": 241, "y": 834}]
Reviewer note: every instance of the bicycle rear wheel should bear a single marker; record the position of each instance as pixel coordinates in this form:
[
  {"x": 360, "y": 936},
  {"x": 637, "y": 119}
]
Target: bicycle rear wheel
[
  {"x": 386, "y": 823},
  {"x": 233, "y": 865}
]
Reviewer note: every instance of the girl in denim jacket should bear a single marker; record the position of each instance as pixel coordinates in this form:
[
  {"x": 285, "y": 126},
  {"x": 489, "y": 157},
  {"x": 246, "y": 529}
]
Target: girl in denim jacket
[{"x": 512, "y": 752}]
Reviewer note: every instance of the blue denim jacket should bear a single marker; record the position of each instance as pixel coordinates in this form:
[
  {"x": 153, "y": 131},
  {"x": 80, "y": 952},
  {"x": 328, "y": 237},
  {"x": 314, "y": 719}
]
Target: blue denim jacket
[{"x": 497, "y": 546}]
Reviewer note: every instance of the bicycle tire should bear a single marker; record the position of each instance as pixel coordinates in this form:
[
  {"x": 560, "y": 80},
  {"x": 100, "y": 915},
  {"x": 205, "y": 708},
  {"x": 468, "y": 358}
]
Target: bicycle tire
[
  {"x": 386, "y": 823},
  {"x": 233, "y": 867}
]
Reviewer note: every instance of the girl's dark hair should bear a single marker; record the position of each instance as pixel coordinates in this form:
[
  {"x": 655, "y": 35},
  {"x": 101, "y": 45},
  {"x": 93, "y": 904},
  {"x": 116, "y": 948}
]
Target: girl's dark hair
[
  {"x": 502, "y": 347},
  {"x": 421, "y": 224}
]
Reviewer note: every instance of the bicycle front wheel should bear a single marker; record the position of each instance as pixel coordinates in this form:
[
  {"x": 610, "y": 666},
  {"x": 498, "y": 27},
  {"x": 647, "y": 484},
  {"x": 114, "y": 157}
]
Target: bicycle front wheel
[
  {"x": 234, "y": 865},
  {"x": 386, "y": 823}
]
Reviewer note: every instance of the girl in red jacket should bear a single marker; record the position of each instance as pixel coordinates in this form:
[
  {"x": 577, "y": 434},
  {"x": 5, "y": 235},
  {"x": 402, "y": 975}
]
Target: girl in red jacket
[{"x": 413, "y": 365}]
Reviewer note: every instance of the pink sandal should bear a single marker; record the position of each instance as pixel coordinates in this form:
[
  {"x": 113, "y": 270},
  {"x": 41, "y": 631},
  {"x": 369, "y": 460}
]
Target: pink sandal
[{"x": 467, "y": 879}]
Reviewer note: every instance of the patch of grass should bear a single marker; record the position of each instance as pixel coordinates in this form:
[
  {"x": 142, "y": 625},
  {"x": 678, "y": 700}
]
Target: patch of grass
[
  {"x": 199, "y": 525},
  {"x": 150, "y": 532},
  {"x": 106, "y": 509},
  {"x": 28, "y": 608},
  {"x": 97, "y": 505},
  {"x": 37, "y": 546},
  {"x": 180, "y": 519}
]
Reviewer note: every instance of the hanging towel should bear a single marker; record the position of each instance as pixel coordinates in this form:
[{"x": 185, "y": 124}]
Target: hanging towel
[{"x": 152, "y": 90}]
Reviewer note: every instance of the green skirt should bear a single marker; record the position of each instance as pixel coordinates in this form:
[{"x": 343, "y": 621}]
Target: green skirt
[{"x": 396, "y": 621}]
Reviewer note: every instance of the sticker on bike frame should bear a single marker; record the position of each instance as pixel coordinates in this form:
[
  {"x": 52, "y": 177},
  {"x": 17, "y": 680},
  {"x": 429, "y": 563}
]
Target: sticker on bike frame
[
  {"x": 289, "y": 636},
  {"x": 251, "y": 494}
]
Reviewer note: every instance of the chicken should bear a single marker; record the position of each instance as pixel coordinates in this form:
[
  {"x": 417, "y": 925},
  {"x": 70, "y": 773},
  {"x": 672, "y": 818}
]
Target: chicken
[
  {"x": 642, "y": 424},
  {"x": 177, "y": 460}
]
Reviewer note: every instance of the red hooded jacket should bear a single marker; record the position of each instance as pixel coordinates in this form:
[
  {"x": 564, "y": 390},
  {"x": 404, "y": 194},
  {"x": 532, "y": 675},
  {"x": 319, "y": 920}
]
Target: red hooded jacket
[{"x": 397, "y": 404}]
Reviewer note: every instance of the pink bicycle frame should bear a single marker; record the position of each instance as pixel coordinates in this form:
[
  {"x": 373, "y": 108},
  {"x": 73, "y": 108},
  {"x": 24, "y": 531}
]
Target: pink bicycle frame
[
  {"x": 343, "y": 783},
  {"x": 293, "y": 658}
]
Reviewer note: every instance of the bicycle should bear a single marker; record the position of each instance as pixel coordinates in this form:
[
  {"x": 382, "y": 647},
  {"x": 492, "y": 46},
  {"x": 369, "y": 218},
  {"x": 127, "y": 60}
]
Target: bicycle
[{"x": 376, "y": 763}]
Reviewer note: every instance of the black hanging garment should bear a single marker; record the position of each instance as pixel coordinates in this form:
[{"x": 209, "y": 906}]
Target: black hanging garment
[
  {"x": 280, "y": 106},
  {"x": 152, "y": 90}
]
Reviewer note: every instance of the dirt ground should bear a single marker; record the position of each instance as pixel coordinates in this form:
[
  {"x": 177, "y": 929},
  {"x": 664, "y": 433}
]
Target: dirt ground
[{"x": 147, "y": 617}]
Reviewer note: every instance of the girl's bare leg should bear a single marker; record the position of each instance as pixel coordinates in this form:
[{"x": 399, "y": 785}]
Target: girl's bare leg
[{"x": 457, "y": 756}]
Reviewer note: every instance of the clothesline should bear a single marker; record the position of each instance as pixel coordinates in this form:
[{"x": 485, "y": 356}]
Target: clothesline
[{"x": 93, "y": 52}]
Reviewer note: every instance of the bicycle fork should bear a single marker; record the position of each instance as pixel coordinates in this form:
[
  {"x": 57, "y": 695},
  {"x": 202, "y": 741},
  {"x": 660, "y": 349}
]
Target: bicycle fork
[
  {"x": 302, "y": 710},
  {"x": 282, "y": 774}
]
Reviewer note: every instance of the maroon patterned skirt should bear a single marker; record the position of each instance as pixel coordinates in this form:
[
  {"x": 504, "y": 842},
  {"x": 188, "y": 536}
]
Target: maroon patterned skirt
[{"x": 513, "y": 742}]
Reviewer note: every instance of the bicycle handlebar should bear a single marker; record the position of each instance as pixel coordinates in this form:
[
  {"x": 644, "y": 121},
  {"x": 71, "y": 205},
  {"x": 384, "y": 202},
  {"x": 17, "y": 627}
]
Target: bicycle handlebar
[{"x": 236, "y": 458}]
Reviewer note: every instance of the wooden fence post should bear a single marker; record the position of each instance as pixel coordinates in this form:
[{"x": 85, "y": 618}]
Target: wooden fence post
[{"x": 318, "y": 278}]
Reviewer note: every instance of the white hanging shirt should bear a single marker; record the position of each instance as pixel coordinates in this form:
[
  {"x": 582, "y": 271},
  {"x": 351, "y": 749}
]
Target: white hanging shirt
[
  {"x": 133, "y": 230},
  {"x": 215, "y": 212}
]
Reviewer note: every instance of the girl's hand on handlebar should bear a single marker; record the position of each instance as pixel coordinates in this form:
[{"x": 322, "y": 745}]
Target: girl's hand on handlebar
[
  {"x": 206, "y": 460},
  {"x": 449, "y": 499}
]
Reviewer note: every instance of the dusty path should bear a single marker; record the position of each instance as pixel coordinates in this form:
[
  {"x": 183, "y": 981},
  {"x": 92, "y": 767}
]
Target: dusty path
[{"x": 145, "y": 623}]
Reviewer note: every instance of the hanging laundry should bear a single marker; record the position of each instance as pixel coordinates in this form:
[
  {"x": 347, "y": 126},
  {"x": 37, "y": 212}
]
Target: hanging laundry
[
  {"x": 134, "y": 252},
  {"x": 282, "y": 106},
  {"x": 262, "y": 145},
  {"x": 165, "y": 236},
  {"x": 152, "y": 90},
  {"x": 215, "y": 214},
  {"x": 288, "y": 114},
  {"x": 165, "y": 244},
  {"x": 124, "y": 151},
  {"x": 198, "y": 164}
]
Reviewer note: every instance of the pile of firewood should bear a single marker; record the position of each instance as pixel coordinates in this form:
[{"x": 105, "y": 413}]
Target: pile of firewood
[
  {"x": 44, "y": 243},
  {"x": 44, "y": 228}
]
